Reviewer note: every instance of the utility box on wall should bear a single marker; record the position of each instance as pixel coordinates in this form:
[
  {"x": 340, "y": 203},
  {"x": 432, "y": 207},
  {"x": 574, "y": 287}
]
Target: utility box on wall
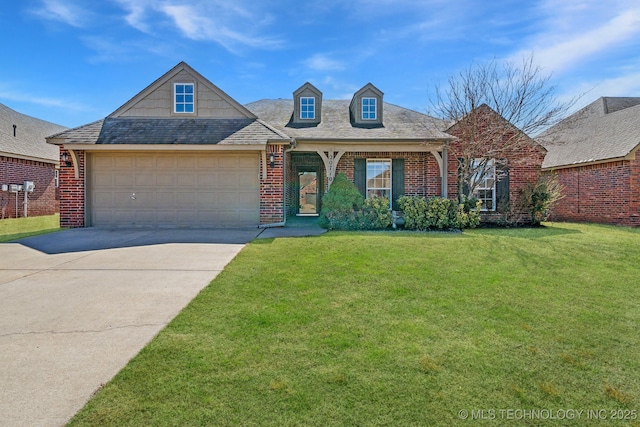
[
  {"x": 5, "y": 187},
  {"x": 14, "y": 188},
  {"x": 29, "y": 186}
]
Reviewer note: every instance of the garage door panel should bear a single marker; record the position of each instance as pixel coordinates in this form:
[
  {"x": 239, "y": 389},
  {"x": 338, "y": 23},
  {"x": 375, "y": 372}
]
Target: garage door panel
[
  {"x": 229, "y": 180},
  {"x": 165, "y": 198},
  {"x": 246, "y": 179},
  {"x": 145, "y": 179},
  {"x": 187, "y": 200},
  {"x": 104, "y": 179},
  {"x": 119, "y": 161},
  {"x": 228, "y": 162},
  {"x": 166, "y": 217},
  {"x": 187, "y": 180},
  {"x": 207, "y": 162},
  {"x": 165, "y": 179},
  {"x": 186, "y": 162},
  {"x": 124, "y": 217},
  {"x": 123, "y": 179},
  {"x": 145, "y": 217},
  {"x": 247, "y": 199},
  {"x": 247, "y": 163},
  {"x": 165, "y": 162},
  {"x": 207, "y": 179},
  {"x": 143, "y": 161},
  {"x": 185, "y": 190},
  {"x": 103, "y": 198}
]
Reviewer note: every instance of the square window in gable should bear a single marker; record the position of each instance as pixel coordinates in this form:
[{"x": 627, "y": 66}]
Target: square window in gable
[
  {"x": 183, "y": 98},
  {"x": 369, "y": 109},
  {"x": 307, "y": 107}
]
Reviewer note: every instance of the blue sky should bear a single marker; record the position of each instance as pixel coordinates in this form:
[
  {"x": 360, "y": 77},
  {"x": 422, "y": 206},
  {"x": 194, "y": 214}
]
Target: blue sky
[{"x": 75, "y": 61}]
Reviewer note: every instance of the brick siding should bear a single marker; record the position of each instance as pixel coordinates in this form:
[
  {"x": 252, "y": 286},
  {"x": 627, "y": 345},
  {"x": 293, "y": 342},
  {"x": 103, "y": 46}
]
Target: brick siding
[
  {"x": 421, "y": 171},
  {"x": 42, "y": 201},
  {"x": 271, "y": 188},
  {"x": 524, "y": 162},
  {"x": 72, "y": 194},
  {"x": 607, "y": 193}
]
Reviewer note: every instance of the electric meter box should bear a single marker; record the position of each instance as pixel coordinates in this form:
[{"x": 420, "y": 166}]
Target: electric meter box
[
  {"x": 5, "y": 187},
  {"x": 29, "y": 186},
  {"x": 14, "y": 188}
]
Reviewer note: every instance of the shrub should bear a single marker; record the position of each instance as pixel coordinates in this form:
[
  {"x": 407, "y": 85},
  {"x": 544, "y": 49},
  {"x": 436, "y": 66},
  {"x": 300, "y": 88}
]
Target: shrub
[
  {"x": 538, "y": 199},
  {"x": 376, "y": 214},
  {"x": 437, "y": 213},
  {"x": 339, "y": 204}
]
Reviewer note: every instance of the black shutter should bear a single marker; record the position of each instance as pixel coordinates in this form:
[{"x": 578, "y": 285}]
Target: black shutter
[
  {"x": 397, "y": 181},
  {"x": 463, "y": 186},
  {"x": 360, "y": 175},
  {"x": 502, "y": 188}
]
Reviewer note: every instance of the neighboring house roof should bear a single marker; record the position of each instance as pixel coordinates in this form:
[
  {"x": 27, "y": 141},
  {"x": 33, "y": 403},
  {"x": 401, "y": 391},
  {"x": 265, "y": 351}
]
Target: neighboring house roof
[
  {"x": 198, "y": 131},
  {"x": 29, "y": 140},
  {"x": 607, "y": 129},
  {"x": 399, "y": 123}
]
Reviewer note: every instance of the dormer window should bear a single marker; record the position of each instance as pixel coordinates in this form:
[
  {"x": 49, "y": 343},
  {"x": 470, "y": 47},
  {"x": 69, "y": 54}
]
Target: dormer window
[
  {"x": 369, "y": 109},
  {"x": 183, "y": 98},
  {"x": 307, "y": 107},
  {"x": 366, "y": 107}
]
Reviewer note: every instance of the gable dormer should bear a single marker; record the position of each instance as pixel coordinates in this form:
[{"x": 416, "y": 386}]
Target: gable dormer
[
  {"x": 307, "y": 105},
  {"x": 182, "y": 92},
  {"x": 366, "y": 107}
]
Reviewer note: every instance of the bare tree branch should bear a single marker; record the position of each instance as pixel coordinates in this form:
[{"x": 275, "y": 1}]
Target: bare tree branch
[{"x": 523, "y": 99}]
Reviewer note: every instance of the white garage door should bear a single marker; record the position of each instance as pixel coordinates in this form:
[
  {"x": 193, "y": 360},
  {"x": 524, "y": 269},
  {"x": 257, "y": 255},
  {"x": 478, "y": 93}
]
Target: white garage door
[{"x": 173, "y": 190}]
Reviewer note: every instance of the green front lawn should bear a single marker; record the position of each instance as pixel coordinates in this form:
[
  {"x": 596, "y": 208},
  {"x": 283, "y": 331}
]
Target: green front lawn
[
  {"x": 18, "y": 228},
  {"x": 401, "y": 329}
]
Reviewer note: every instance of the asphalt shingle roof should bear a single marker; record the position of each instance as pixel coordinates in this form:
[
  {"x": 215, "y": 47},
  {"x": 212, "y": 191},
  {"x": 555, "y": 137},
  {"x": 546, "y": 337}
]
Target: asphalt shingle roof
[
  {"x": 172, "y": 131},
  {"x": 608, "y": 128},
  {"x": 398, "y": 123},
  {"x": 30, "y": 136}
]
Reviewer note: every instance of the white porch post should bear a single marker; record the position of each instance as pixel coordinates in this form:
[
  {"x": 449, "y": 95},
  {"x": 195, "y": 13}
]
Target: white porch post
[
  {"x": 444, "y": 171},
  {"x": 330, "y": 160},
  {"x": 441, "y": 158}
]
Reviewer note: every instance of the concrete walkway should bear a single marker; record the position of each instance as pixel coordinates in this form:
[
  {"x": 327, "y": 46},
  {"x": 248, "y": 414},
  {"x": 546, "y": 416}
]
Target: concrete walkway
[{"x": 77, "y": 305}]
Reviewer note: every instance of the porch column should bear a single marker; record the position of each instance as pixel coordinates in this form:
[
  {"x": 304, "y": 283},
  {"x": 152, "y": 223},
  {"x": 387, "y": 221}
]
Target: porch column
[
  {"x": 330, "y": 160},
  {"x": 441, "y": 158},
  {"x": 444, "y": 172}
]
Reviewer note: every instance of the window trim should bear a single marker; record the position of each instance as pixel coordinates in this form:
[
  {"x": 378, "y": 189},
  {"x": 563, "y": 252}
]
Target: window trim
[
  {"x": 313, "y": 107},
  {"x": 494, "y": 194},
  {"x": 184, "y": 103},
  {"x": 369, "y": 111},
  {"x": 390, "y": 188}
]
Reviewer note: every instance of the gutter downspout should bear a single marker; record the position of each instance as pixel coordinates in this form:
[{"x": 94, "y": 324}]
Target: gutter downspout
[{"x": 284, "y": 188}]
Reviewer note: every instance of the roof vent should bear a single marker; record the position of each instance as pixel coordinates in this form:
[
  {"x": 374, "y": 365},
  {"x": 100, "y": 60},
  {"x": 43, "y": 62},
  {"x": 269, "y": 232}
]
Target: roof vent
[{"x": 14, "y": 130}]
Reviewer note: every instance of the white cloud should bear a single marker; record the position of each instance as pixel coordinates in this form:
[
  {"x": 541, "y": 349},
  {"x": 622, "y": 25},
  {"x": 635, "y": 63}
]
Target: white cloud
[
  {"x": 622, "y": 85},
  {"x": 579, "y": 31},
  {"x": 62, "y": 11},
  {"x": 225, "y": 22},
  {"x": 137, "y": 12},
  {"x": 40, "y": 100},
  {"x": 321, "y": 62},
  {"x": 197, "y": 22}
]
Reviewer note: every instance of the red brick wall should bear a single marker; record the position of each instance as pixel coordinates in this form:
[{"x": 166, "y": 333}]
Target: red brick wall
[
  {"x": 606, "y": 193},
  {"x": 271, "y": 188},
  {"x": 42, "y": 201},
  {"x": 72, "y": 202},
  {"x": 421, "y": 171},
  {"x": 524, "y": 167}
]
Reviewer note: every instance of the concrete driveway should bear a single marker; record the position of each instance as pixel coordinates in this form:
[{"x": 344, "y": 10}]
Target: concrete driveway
[{"x": 77, "y": 305}]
